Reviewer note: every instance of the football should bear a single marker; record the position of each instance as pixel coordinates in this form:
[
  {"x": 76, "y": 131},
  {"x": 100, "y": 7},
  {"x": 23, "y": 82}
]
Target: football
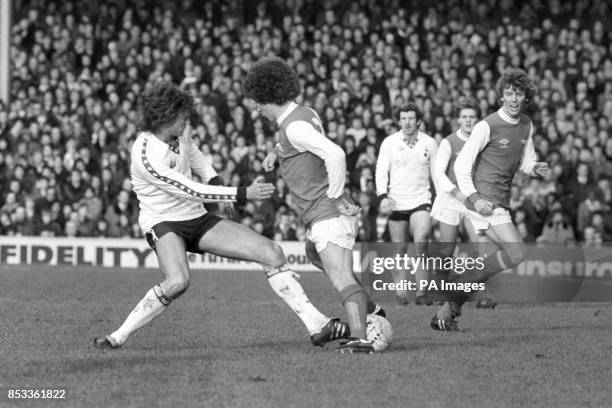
[{"x": 379, "y": 332}]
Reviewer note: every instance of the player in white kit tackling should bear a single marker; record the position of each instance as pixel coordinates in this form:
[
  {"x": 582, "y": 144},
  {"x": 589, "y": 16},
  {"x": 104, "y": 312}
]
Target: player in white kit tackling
[{"x": 175, "y": 220}]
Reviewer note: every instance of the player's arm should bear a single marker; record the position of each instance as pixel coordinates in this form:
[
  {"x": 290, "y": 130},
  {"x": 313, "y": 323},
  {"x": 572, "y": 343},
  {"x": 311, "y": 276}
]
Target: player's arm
[
  {"x": 529, "y": 161},
  {"x": 195, "y": 158},
  {"x": 269, "y": 162},
  {"x": 304, "y": 137},
  {"x": 381, "y": 176},
  {"x": 157, "y": 172},
  {"x": 432, "y": 159},
  {"x": 464, "y": 164},
  {"x": 203, "y": 167},
  {"x": 441, "y": 180}
]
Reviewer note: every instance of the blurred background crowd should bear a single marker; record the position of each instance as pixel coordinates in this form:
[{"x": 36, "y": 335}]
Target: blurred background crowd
[{"x": 79, "y": 66}]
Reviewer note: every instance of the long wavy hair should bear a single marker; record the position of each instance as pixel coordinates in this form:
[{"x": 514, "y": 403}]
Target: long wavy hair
[{"x": 161, "y": 104}]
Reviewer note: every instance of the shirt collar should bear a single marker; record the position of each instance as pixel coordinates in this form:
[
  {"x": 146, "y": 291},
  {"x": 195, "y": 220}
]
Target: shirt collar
[
  {"x": 506, "y": 117},
  {"x": 404, "y": 138},
  {"x": 290, "y": 108},
  {"x": 460, "y": 135}
]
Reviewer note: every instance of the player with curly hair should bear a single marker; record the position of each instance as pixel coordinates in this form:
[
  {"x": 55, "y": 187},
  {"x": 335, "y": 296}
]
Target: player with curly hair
[
  {"x": 449, "y": 207},
  {"x": 175, "y": 221},
  {"x": 499, "y": 145},
  {"x": 314, "y": 169}
]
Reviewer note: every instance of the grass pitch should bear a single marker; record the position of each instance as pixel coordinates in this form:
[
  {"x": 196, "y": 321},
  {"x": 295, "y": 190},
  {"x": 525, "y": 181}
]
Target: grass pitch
[{"x": 229, "y": 342}]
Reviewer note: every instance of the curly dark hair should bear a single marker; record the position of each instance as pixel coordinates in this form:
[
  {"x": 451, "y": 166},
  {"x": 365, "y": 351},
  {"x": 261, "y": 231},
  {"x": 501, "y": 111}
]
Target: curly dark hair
[
  {"x": 466, "y": 103},
  {"x": 517, "y": 79},
  {"x": 161, "y": 104},
  {"x": 271, "y": 81},
  {"x": 407, "y": 107}
]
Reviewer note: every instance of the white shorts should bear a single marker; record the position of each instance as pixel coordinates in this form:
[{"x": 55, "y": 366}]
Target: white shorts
[
  {"x": 448, "y": 209},
  {"x": 341, "y": 230},
  {"x": 480, "y": 222}
]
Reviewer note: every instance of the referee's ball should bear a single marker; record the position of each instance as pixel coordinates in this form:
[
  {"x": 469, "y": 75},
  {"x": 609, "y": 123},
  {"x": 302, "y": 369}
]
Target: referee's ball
[{"x": 379, "y": 332}]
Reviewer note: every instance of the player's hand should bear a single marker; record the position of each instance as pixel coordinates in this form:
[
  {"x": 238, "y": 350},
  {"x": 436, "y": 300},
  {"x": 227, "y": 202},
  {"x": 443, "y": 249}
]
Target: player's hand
[
  {"x": 230, "y": 210},
  {"x": 185, "y": 137},
  {"x": 386, "y": 206},
  {"x": 541, "y": 169},
  {"x": 259, "y": 190},
  {"x": 460, "y": 196},
  {"x": 483, "y": 207},
  {"x": 269, "y": 162},
  {"x": 347, "y": 208}
]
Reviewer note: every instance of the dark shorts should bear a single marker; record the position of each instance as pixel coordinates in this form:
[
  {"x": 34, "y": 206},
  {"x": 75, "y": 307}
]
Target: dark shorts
[
  {"x": 191, "y": 231},
  {"x": 405, "y": 215}
]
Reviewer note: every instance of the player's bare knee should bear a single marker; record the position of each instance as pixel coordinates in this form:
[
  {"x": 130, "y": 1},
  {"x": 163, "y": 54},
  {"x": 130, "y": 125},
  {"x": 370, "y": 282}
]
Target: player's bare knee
[
  {"x": 176, "y": 286},
  {"x": 340, "y": 280},
  {"x": 273, "y": 255}
]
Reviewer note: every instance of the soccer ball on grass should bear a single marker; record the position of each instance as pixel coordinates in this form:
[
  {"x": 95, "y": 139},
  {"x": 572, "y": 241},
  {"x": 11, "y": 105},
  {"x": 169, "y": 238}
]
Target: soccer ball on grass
[{"x": 379, "y": 332}]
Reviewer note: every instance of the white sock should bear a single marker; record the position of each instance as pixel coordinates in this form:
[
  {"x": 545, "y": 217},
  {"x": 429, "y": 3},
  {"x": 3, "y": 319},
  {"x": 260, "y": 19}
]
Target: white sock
[
  {"x": 286, "y": 286},
  {"x": 146, "y": 310}
]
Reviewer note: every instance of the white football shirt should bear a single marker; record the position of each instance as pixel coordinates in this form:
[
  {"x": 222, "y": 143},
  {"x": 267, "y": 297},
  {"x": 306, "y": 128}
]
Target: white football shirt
[
  {"x": 161, "y": 179},
  {"x": 403, "y": 172}
]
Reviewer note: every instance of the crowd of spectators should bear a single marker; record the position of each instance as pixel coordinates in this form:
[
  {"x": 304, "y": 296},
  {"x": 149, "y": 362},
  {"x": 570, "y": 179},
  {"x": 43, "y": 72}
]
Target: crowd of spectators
[{"x": 79, "y": 66}]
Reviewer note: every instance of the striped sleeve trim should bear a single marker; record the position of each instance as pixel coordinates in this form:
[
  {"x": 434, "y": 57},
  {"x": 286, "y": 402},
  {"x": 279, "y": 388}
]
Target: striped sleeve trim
[{"x": 147, "y": 165}]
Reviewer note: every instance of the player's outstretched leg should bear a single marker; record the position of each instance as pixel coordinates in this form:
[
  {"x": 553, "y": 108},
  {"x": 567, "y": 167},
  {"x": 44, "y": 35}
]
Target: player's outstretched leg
[
  {"x": 233, "y": 240},
  {"x": 321, "y": 328},
  {"x": 173, "y": 264}
]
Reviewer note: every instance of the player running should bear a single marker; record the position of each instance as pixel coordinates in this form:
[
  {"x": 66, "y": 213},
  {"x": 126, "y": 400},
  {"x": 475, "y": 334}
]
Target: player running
[
  {"x": 449, "y": 205},
  {"x": 499, "y": 145},
  {"x": 314, "y": 169},
  {"x": 175, "y": 220},
  {"x": 403, "y": 170}
]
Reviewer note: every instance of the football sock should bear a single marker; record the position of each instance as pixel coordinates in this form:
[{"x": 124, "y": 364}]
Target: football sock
[
  {"x": 419, "y": 276},
  {"x": 284, "y": 283},
  {"x": 400, "y": 275},
  {"x": 421, "y": 273},
  {"x": 151, "y": 306},
  {"x": 355, "y": 301},
  {"x": 497, "y": 262},
  {"x": 372, "y": 307},
  {"x": 493, "y": 264}
]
